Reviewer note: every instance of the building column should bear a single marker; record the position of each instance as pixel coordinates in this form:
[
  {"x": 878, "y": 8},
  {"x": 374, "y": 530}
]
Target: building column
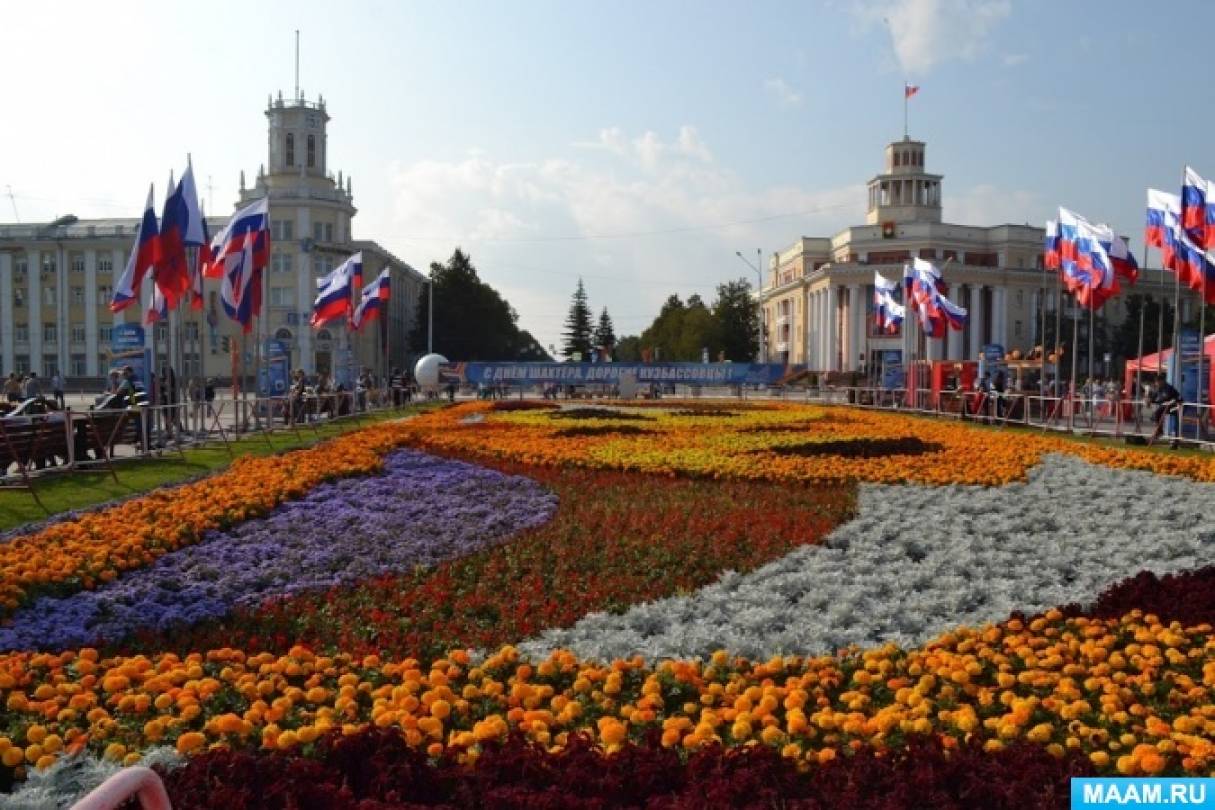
[
  {"x": 305, "y": 294},
  {"x": 8, "y": 334},
  {"x": 976, "y": 320},
  {"x": 820, "y": 329},
  {"x": 33, "y": 304},
  {"x": 1035, "y": 317},
  {"x": 62, "y": 312},
  {"x": 953, "y": 344},
  {"x": 90, "y": 314},
  {"x": 809, "y": 344},
  {"x": 833, "y": 328},
  {"x": 999, "y": 316},
  {"x": 856, "y": 321}
]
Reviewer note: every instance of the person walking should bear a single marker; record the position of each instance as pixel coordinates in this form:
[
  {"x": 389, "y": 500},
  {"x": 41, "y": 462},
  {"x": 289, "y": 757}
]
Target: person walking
[
  {"x": 57, "y": 389},
  {"x": 1167, "y": 400},
  {"x": 33, "y": 386}
]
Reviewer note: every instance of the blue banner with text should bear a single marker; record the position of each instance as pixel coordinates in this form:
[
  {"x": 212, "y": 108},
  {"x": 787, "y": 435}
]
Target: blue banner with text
[{"x": 611, "y": 373}]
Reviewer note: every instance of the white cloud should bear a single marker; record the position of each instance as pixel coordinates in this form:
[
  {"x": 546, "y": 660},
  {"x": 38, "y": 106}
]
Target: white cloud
[
  {"x": 645, "y": 198},
  {"x": 929, "y": 32},
  {"x": 986, "y": 205},
  {"x": 780, "y": 90}
]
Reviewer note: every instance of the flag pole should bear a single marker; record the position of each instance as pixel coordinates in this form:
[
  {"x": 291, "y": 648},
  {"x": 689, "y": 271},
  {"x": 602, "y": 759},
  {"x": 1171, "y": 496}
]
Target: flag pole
[
  {"x": 1142, "y": 316},
  {"x": 1071, "y": 411}
]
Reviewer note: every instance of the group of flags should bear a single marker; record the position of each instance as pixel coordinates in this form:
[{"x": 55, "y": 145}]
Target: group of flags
[
  {"x": 160, "y": 249},
  {"x": 1182, "y": 226},
  {"x": 925, "y": 292},
  {"x": 1090, "y": 258},
  {"x": 237, "y": 256},
  {"x": 342, "y": 295}
]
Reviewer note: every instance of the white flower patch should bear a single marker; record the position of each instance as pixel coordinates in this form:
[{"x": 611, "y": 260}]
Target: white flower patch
[
  {"x": 920, "y": 560},
  {"x": 69, "y": 779}
]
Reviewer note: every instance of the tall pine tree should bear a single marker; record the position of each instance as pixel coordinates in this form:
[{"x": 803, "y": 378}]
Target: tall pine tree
[
  {"x": 605, "y": 334},
  {"x": 578, "y": 330}
]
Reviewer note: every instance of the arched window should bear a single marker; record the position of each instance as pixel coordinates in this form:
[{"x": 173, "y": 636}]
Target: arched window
[
  {"x": 323, "y": 336},
  {"x": 311, "y": 151},
  {"x": 897, "y": 158},
  {"x": 290, "y": 149},
  {"x": 283, "y": 334}
]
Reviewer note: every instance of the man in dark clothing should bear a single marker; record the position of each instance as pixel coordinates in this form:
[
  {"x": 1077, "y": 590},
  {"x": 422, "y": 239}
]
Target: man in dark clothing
[{"x": 1167, "y": 400}]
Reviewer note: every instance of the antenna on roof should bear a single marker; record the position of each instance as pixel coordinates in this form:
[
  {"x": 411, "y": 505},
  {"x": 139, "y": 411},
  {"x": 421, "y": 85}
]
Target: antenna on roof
[
  {"x": 297, "y": 64},
  {"x": 13, "y": 200}
]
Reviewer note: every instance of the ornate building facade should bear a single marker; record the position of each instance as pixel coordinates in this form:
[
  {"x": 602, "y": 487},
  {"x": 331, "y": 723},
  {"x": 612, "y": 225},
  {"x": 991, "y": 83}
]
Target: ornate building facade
[{"x": 56, "y": 278}]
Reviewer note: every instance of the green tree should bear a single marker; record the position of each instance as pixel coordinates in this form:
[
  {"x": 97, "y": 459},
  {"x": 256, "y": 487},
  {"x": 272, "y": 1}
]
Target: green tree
[
  {"x": 578, "y": 329},
  {"x": 472, "y": 321},
  {"x": 628, "y": 349},
  {"x": 605, "y": 335},
  {"x": 737, "y": 321}
]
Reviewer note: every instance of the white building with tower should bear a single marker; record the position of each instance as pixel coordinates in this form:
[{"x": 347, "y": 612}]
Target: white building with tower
[
  {"x": 816, "y": 301},
  {"x": 56, "y": 278}
]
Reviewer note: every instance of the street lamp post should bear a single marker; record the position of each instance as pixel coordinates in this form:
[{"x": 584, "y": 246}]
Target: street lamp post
[
  {"x": 430, "y": 315},
  {"x": 759, "y": 305}
]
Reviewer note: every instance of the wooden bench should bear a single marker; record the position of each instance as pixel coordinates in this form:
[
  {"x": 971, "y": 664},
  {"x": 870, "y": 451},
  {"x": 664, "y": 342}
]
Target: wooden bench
[{"x": 30, "y": 442}]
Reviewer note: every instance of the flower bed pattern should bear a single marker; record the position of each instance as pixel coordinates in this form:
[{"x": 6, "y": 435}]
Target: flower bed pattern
[
  {"x": 917, "y": 561},
  {"x": 1133, "y": 695},
  {"x": 616, "y": 540},
  {"x": 420, "y": 511},
  {"x": 745, "y": 443}
]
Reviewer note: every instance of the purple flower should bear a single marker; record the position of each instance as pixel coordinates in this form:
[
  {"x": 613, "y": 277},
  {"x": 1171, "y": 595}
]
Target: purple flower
[{"x": 420, "y": 511}]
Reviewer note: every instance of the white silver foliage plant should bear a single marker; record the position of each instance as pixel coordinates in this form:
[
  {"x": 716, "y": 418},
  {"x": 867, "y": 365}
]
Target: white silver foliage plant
[{"x": 917, "y": 561}]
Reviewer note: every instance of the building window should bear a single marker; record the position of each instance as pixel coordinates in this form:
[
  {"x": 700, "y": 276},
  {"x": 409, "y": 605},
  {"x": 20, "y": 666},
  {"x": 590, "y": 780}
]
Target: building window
[
  {"x": 1020, "y": 298},
  {"x": 50, "y": 333},
  {"x": 77, "y": 263},
  {"x": 21, "y": 334},
  {"x": 162, "y": 333},
  {"x": 1016, "y": 329},
  {"x": 18, "y": 296},
  {"x": 328, "y": 231},
  {"x": 311, "y": 151},
  {"x": 78, "y": 296},
  {"x": 21, "y": 264},
  {"x": 78, "y": 368},
  {"x": 950, "y": 254},
  {"x": 48, "y": 263},
  {"x": 897, "y": 156},
  {"x": 283, "y": 334},
  {"x": 191, "y": 331},
  {"x": 318, "y": 267},
  {"x": 316, "y": 231},
  {"x": 78, "y": 334},
  {"x": 49, "y": 295},
  {"x": 49, "y": 367},
  {"x": 103, "y": 363},
  {"x": 105, "y": 334},
  {"x": 104, "y": 292},
  {"x": 281, "y": 263},
  {"x": 290, "y": 149},
  {"x": 21, "y": 363},
  {"x": 105, "y": 264},
  {"x": 928, "y": 253},
  {"x": 280, "y": 296},
  {"x": 981, "y": 259}
]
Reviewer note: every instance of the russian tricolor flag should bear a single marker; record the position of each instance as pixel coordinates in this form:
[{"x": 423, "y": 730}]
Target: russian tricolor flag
[
  {"x": 242, "y": 250},
  {"x": 374, "y": 298},
  {"x": 888, "y": 313},
  {"x": 173, "y": 273},
  {"x": 1163, "y": 214},
  {"x": 159, "y": 308},
  {"x": 338, "y": 288},
  {"x": 1194, "y": 208},
  {"x": 145, "y": 254},
  {"x": 1123, "y": 260},
  {"x": 1050, "y": 245}
]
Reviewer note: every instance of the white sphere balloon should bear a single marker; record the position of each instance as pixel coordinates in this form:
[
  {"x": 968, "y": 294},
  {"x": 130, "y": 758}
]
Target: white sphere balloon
[{"x": 426, "y": 372}]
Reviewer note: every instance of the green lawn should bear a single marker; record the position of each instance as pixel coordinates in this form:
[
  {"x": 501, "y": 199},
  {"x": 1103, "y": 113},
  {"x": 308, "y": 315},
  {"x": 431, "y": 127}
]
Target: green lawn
[{"x": 61, "y": 492}]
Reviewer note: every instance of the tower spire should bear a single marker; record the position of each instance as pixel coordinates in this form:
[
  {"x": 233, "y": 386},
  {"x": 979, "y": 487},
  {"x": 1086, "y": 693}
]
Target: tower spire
[{"x": 297, "y": 64}]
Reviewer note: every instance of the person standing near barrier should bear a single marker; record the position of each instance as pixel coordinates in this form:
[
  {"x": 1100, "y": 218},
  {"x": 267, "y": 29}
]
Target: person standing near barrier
[
  {"x": 33, "y": 387},
  {"x": 209, "y": 396},
  {"x": 12, "y": 388},
  {"x": 1167, "y": 400},
  {"x": 57, "y": 390}
]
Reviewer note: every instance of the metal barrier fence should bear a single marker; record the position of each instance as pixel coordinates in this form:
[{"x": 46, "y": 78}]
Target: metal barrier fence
[{"x": 68, "y": 440}]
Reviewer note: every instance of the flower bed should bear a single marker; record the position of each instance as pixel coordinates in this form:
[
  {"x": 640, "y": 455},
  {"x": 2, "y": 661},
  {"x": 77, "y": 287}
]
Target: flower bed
[
  {"x": 375, "y": 770},
  {"x": 1132, "y": 695},
  {"x": 748, "y": 443},
  {"x": 917, "y": 561},
  {"x": 616, "y": 540},
  {"x": 420, "y": 511},
  {"x": 96, "y": 547}
]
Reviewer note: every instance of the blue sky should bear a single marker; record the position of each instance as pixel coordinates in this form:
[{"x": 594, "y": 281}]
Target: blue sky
[{"x": 636, "y": 144}]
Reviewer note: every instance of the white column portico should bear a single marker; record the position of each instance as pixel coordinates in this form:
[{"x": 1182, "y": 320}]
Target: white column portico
[
  {"x": 999, "y": 316},
  {"x": 953, "y": 344}
]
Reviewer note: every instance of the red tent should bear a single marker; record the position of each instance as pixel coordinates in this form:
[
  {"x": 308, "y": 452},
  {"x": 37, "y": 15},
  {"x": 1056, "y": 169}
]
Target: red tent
[{"x": 1159, "y": 362}]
